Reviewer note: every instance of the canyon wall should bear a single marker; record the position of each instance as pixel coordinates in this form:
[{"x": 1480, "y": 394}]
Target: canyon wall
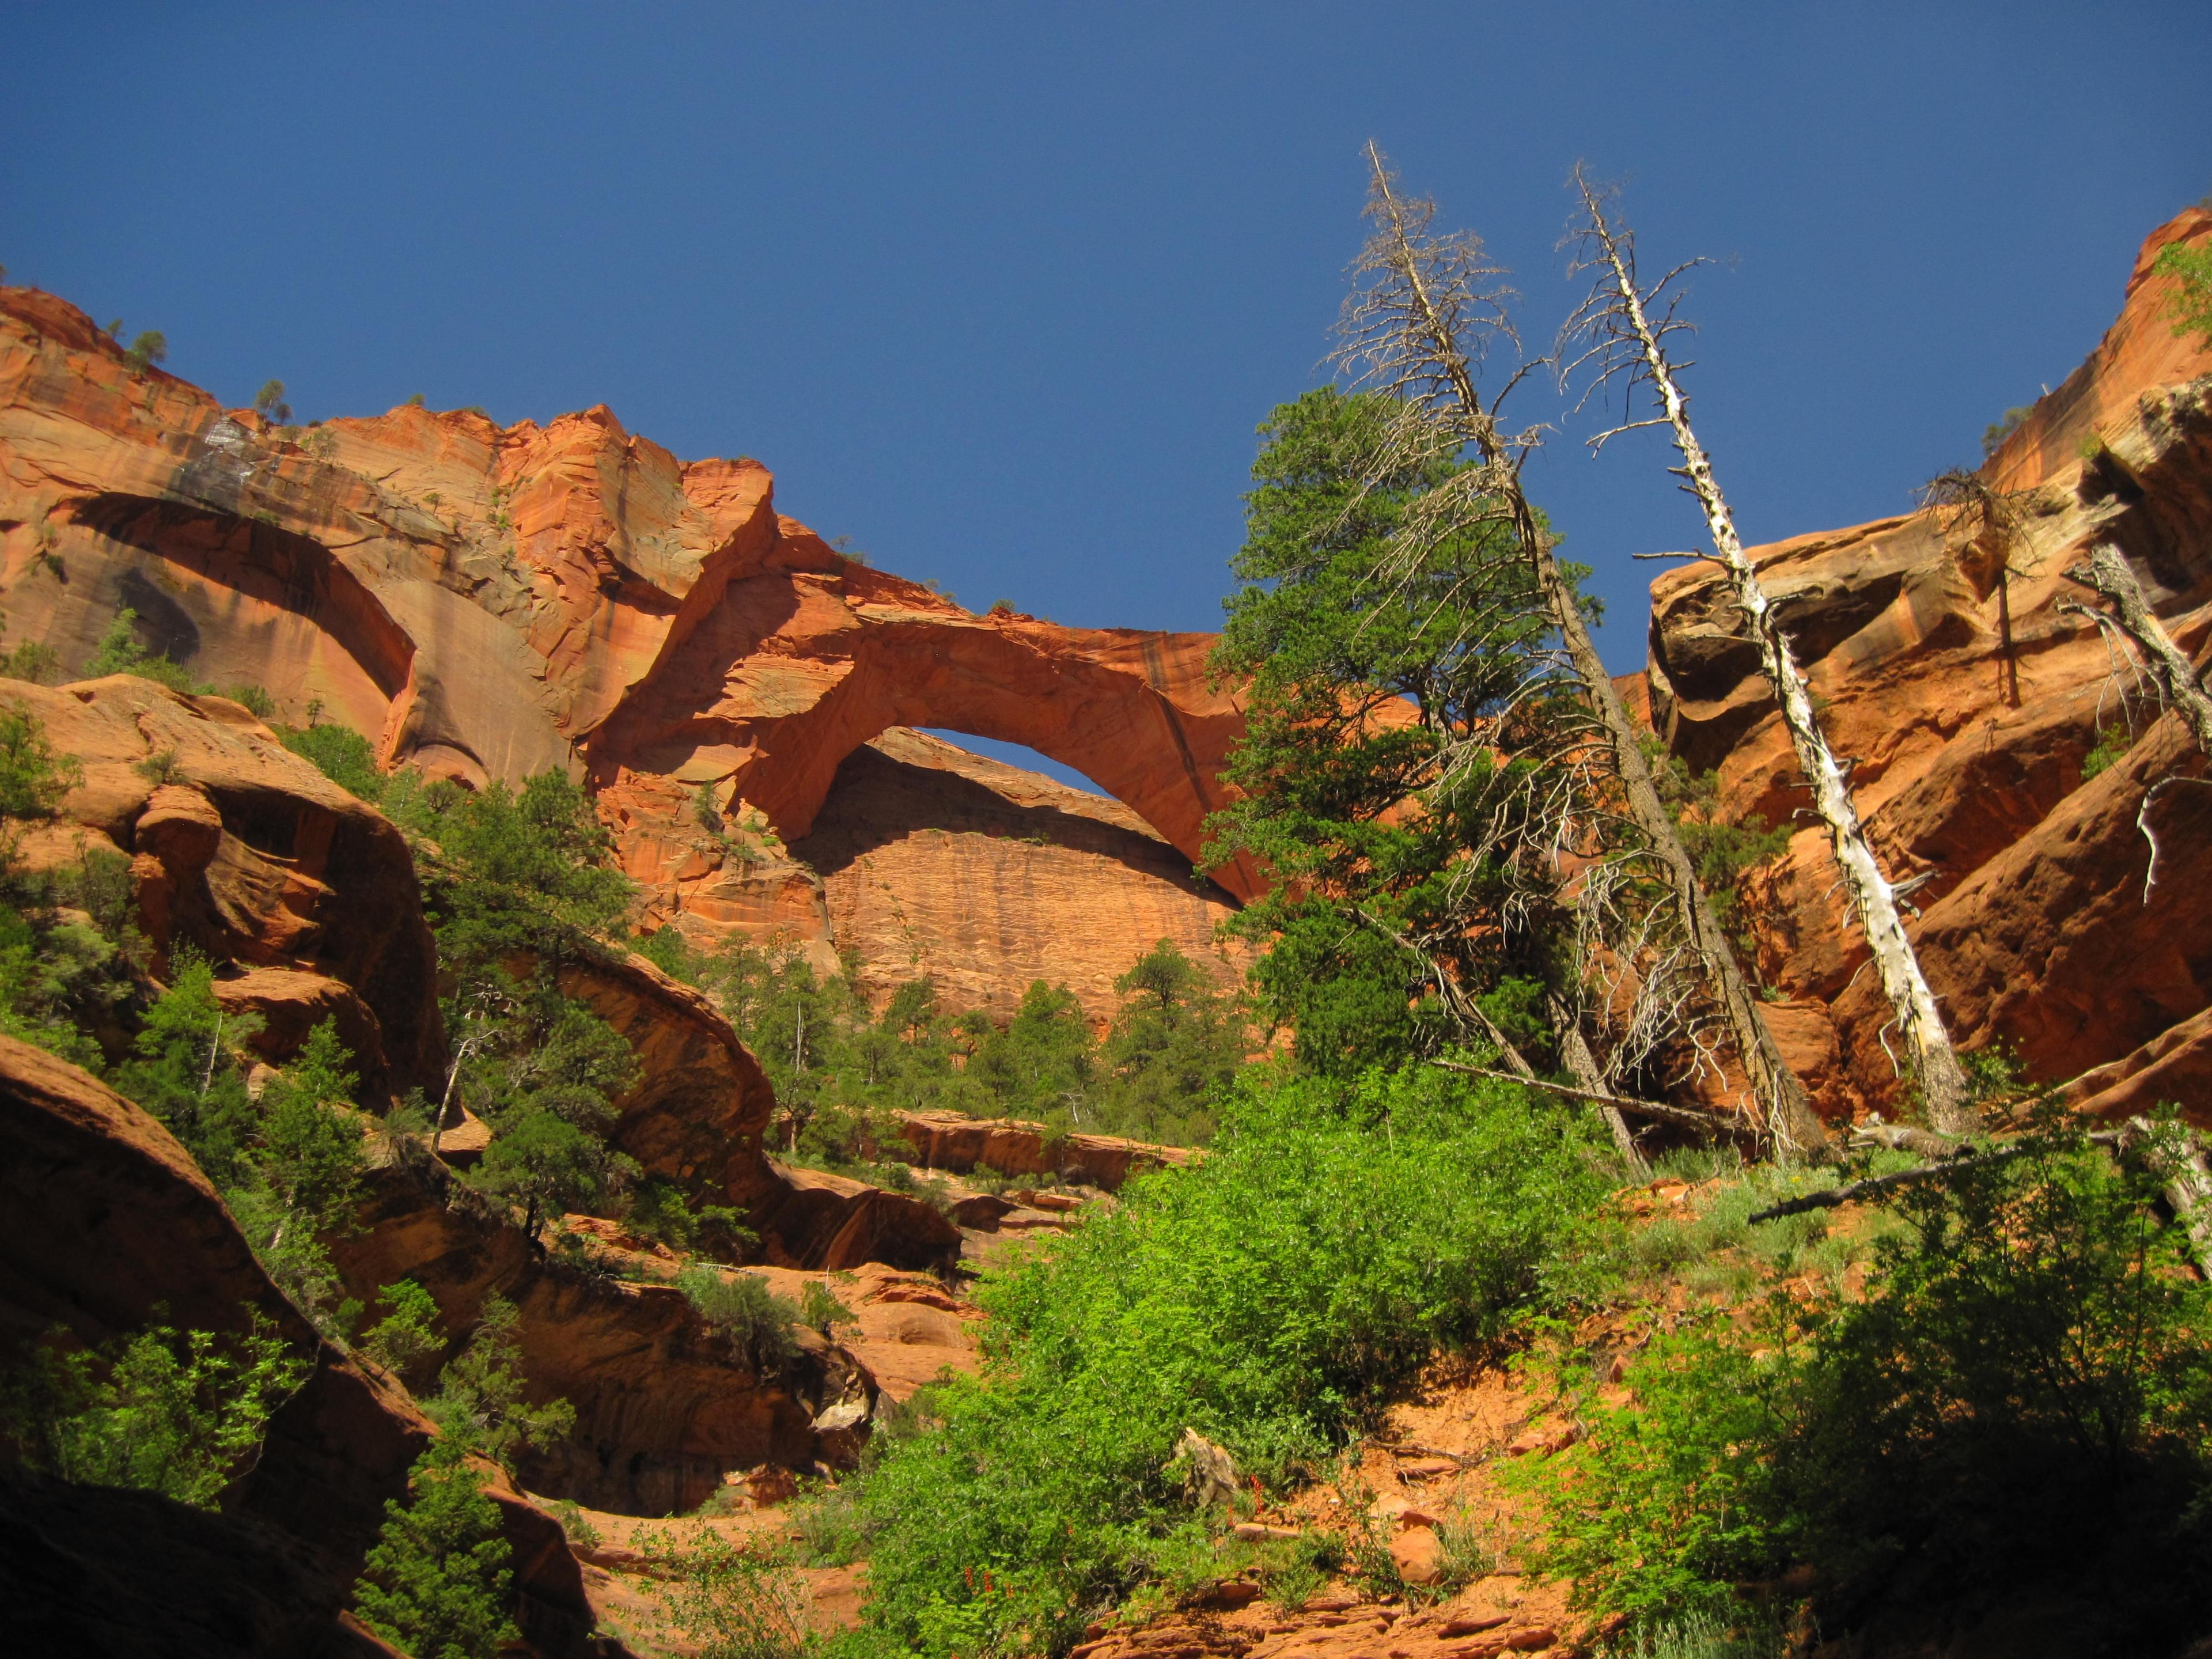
[
  {"x": 485, "y": 602},
  {"x": 2035, "y": 922}
]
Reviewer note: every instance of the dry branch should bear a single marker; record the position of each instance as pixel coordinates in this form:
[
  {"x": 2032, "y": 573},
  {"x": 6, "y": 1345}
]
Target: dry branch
[
  {"x": 1427, "y": 310},
  {"x": 2109, "y": 574},
  {"x": 1624, "y": 327}
]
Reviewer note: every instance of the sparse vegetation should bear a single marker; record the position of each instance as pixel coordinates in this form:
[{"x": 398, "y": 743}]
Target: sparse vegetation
[
  {"x": 177, "y": 1412},
  {"x": 2190, "y": 307}
]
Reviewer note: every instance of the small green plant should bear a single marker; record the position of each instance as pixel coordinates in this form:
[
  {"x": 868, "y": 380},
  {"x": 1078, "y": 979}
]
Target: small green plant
[
  {"x": 722, "y": 1601},
  {"x": 576, "y": 1526},
  {"x": 438, "y": 1581},
  {"x": 1002, "y": 607},
  {"x": 744, "y": 1312},
  {"x": 1294, "y": 1571},
  {"x": 150, "y": 347},
  {"x": 2191, "y": 306},
  {"x": 339, "y": 753},
  {"x": 1994, "y": 434},
  {"x": 269, "y": 404},
  {"x": 254, "y": 699},
  {"x": 167, "y": 1412},
  {"x": 407, "y": 1336},
  {"x": 160, "y": 767},
  {"x": 414, "y": 401},
  {"x": 2112, "y": 743},
  {"x": 2092, "y": 448},
  {"x": 120, "y": 652},
  {"x": 819, "y": 1308},
  {"x": 34, "y": 776},
  {"x": 480, "y": 1404}
]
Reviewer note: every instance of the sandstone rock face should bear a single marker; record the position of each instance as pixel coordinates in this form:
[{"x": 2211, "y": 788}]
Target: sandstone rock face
[
  {"x": 2034, "y": 928},
  {"x": 485, "y": 602},
  {"x": 252, "y": 856},
  {"x": 986, "y": 877},
  {"x": 941, "y": 1140},
  {"x": 110, "y": 1218},
  {"x": 664, "y": 1407}
]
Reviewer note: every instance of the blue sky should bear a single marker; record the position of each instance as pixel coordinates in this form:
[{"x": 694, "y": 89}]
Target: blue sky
[{"x": 999, "y": 292}]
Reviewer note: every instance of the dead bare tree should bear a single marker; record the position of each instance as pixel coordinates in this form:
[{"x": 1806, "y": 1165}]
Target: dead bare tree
[
  {"x": 1618, "y": 335},
  {"x": 1965, "y": 501},
  {"x": 2108, "y": 572},
  {"x": 1424, "y": 310}
]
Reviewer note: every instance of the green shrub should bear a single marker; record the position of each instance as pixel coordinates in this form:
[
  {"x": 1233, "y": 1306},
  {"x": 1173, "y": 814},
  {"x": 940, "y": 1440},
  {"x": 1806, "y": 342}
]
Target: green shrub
[
  {"x": 340, "y": 754},
  {"x": 2022, "y": 1394},
  {"x": 407, "y": 1336},
  {"x": 819, "y": 1308},
  {"x": 254, "y": 699},
  {"x": 740, "y": 1307},
  {"x": 721, "y": 1601},
  {"x": 120, "y": 652},
  {"x": 1270, "y": 1298},
  {"x": 437, "y": 1581},
  {"x": 2113, "y": 742},
  {"x": 2191, "y": 306},
  {"x": 658, "y": 1211},
  {"x": 166, "y": 1412},
  {"x": 480, "y": 1404}
]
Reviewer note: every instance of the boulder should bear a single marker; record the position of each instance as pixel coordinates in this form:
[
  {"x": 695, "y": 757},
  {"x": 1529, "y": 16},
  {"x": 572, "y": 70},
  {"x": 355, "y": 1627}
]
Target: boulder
[{"x": 253, "y": 857}]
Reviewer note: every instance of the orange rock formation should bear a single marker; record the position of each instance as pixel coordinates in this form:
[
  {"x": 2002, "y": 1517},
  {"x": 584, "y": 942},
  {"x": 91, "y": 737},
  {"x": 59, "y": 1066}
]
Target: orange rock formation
[
  {"x": 2035, "y": 929},
  {"x": 486, "y": 602}
]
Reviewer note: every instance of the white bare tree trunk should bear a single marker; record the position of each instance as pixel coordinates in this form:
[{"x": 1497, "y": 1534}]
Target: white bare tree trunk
[
  {"x": 1934, "y": 1063},
  {"x": 2108, "y": 572},
  {"x": 1796, "y": 1128}
]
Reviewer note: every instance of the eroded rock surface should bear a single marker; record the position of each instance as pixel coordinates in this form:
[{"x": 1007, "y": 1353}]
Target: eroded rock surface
[
  {"x": 250, "y": 855},
  {"x": 486, "y": 602},
  {"x": 113, "y": 1226},
  {"x": 2035, "y": 926}
]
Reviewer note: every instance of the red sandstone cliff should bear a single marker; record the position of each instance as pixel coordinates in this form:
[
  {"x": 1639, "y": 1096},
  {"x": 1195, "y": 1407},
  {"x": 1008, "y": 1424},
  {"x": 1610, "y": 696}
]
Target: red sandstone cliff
[
  {"x": 487, "y": 602},
  {"x": 2034, "y": 928}
]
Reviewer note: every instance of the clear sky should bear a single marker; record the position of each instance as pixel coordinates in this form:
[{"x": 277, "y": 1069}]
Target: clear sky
[{"x": 1000, "y": 291}]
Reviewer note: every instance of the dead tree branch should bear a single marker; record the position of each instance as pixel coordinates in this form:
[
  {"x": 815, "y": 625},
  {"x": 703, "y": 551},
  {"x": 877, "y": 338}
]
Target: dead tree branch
[
  {"x": 2112, "y": 577},
  {"x": 1624, "y": 327},
  {"x": 1423, "y": 311}
]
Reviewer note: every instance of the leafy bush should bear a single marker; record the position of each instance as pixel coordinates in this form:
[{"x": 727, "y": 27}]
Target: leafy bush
[
  {"x": 120, "y": 652},
  {"x": 1268, "y": 1299},
  {"x": 2022, "y": 1394},
  {"x": 720, "y": 1601},
  {"x": 2113, "y": 742},
  {"x": 339, "y": 753},
  {"x": 408, "y": 1335},
  {"x": 2191, "y": 305},
  {"x": 820, "y": 1309},
  {"x": 479, "y": 1403},
  {"x": 740, "y": 1307},
  {"x": 166, "y": 1412},
  {"x": 437, "y": 1581}
]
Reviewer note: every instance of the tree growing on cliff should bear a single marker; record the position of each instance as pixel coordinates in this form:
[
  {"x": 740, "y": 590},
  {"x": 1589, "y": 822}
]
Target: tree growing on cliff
[
  {"x": 164, "y": 1411},
  {"x": 1618, "y": 336},
  {"x": 1425, "y": 311},
  {"x": 480, "y": 1403},
  {"x": 438, "y": 1581}
]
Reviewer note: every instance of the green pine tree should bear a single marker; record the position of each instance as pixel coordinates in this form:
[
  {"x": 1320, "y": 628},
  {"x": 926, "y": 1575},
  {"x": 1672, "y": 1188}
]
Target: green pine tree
[{"x": 438, "y": 1581}]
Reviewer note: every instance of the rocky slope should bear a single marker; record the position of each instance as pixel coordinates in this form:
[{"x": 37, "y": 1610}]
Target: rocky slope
[
  {"x": 2036, "y": 927},
  {"x": 111, "y": 1224},
  {"x": 487, "y": 602}
]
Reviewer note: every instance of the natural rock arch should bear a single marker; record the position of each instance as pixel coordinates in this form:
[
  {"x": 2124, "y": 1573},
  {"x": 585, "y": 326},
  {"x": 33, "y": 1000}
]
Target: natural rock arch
[{"x": 799, "y": 666}]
